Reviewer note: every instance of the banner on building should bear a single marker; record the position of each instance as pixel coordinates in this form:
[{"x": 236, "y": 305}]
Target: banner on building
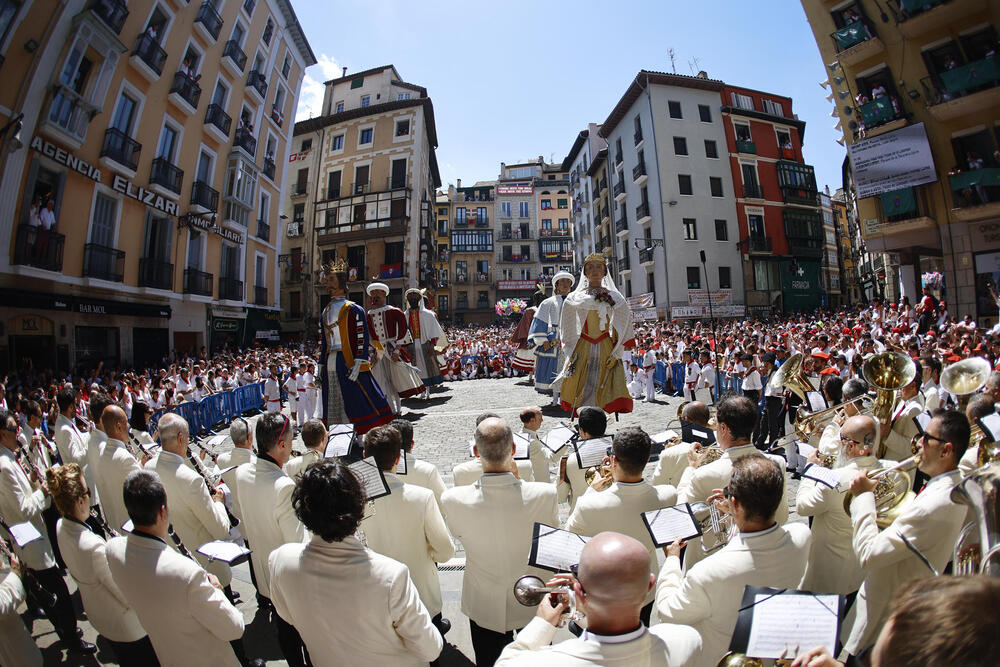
[
  {"x": 719, "y": 297},
  {"x": 519, "y": 189},
  {"x": 644, "y": 314},
  {"x": 699, "y": 312},
  {"x": 892, "y": 161},
  {"x": 507, "y": 285},
  {"x": 641, "y": 301}
]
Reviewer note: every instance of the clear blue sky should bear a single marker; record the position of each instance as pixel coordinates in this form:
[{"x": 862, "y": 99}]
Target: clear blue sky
[{"x": 517, "y": 80}]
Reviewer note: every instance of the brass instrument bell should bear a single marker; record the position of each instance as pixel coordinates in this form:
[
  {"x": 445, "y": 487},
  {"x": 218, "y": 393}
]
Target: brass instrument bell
[
  {"x": 790, "y": 376},
  {"x": 964, "y": 378},
  {"x": 887, "y": 372}
]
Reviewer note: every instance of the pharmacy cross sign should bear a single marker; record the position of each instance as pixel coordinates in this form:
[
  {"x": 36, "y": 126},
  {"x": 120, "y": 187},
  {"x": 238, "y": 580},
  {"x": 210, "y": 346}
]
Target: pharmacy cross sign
[{"x": 800, "y": 271}]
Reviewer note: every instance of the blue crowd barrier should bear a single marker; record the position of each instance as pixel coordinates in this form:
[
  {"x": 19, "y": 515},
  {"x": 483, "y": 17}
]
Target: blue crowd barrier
[
  {"x": 660, "y": 375},
  {"x": 677, "y": 376},
  {"x": 228, "y": 400},
  {"x": 210, "y": 411},
  {"x": 191, "y": 412},
  {"x": 215, "y": 409}
]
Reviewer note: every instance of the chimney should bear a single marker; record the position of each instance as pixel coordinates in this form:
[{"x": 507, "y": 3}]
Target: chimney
[
  {"x": 459, "y": 182},
  {"x": 702, "y": 74},
  {"x": 344, "y": 71}
]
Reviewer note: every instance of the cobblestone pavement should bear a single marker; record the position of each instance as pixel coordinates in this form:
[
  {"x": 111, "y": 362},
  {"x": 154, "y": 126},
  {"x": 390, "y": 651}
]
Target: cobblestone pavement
[{"x": 442, "y": 426}]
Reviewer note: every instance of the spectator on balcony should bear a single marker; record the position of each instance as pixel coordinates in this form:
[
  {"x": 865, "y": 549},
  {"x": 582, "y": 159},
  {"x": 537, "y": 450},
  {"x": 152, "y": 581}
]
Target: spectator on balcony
[
  {"x": 975, "y": 162},
  {"x": 188, "y": 69},
  {"x": 878, "y": 90},
  {"x": 153, "y": 32}
]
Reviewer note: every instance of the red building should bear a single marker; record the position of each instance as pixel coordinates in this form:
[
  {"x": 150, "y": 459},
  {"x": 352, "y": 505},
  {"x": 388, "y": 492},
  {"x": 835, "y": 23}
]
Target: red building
[{"x": 777, "y": 203}]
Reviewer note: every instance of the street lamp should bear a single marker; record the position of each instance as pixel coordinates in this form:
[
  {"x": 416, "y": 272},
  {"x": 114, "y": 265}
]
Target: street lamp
[{"x": 711, "y": 314}]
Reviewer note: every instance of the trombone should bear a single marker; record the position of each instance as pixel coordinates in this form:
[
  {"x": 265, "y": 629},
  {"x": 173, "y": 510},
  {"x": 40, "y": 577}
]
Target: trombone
[{"x": 808, "y": 423}]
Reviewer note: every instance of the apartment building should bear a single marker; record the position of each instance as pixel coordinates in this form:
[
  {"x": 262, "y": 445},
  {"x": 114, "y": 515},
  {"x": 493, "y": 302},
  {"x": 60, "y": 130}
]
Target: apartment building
[
  {"x": 850, "y": 294},
  {"x": 584, "y": 192},
  {"x": 442, "y": 255},
  {"x": 552, "y": 208},
  {"x": 604, "y": 237},
  {"x": 515, "y": 209},
  {"x": 140, "y": 204},
  {"x": 471, "y": 252},
  {"x": 671, "y": 195},
  {"x": 831, "y": 260},
  {"x": 924, "y": 74},
  {"x": 373, "y": 185},
  {"x": 300, "y": 294}
]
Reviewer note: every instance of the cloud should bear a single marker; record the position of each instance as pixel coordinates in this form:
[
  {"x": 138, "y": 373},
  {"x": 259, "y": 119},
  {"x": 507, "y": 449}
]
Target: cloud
[{"x": 311, "y": 94}]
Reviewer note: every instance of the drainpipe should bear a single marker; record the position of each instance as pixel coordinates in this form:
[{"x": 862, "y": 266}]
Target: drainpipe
[{"x": 659, "y": 191}]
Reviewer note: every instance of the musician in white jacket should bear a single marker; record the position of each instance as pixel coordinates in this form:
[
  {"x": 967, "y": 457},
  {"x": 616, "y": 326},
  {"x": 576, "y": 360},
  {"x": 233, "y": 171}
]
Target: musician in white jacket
[
  {"x": 182, "y": 607},
  {"x": 351, "y": 605},
  {"x": 619, "y": 507},
  {"x": 84, "y": 550},
  {"x": 407, "y": 524},
  {"x": 673, "y": 460},
  {"x": 498, "y": 504},
  {"x": 314, "y": 438},
  {"x": 113, "y": 465},
  {"x": 612, "y": 583},
  {"x": 16, "y": 644},
  {"x": 931, "y": 523},
  {"x": 531, "y": 421},
  {"x": 71, "y": 442},
  {"x": 418, "y": 472},
  {"x": 762, "y": 553}
]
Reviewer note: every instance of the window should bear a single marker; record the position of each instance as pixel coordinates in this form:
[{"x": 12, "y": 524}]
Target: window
[
  {"x": 505, "y": 209},
  {"x": 711, "y": 150},
  {"x": 562, "y": 203},
  {"x": 286, "y": 66},
  {"x": 299, "y": 213},
  {"x": 102, "y": 224},
  {"x": 766, "y": 276},
  {"x": 307, "y": 145},
  {"x": 694, "y": 277},
  {"x": 684, "y": 184},
  {"x": 690, "y": 229},
  {"x": 705, "y": 113},
  {"x": 523, "y": 212},
  {"x": 403, "y": 127},
  {"x": 402, "y": 96},
  {"x": 365, "y": 100},
  {"x": 339, "y": 108},
  {"x": 773, "y": 108},
  {"x": 680, "y": 146},
  {"x": 168, "y": 144},
  {"x": 522, "y": 172},
  {"x": 124, "y": 113},
  {"x": 546, "y": 204},
  {"x": 358, "y": 82},
  {"x": 471, "y": 240},
  {"x": 715, "y": 184},
  {"x": 743, "y": 101},
  {"x": 651, "y": 283},
  {"x": 721, "y": 230},
  {"x": 365, "y": 136},
  {"x": 675, "y": 109},
  {"x": 337, "y": 143},
  {"x": 333, "y": 185},
  {"x": 742, "y": 132},
  {"x": 725, "y": 279},
  {"x": 360, "y": 178},
  {"x": 268, "y": 32}
]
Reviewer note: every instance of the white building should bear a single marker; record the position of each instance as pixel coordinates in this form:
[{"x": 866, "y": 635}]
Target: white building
[{"x": 588, "y": 143}]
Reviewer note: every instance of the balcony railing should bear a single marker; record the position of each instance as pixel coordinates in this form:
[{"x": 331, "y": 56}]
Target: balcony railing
[
  {"x": 746, "y": 146},
  {"x": 260, "y": 295},
  {"x": 515, "y": 259},
  {"x": 268, "y": 168},
  {"x": 965, "y": 80},
  {"x": 121, "y": 148},
  {"x": 753, "y": 191},
  {"x": 208, "y": 17},
  {"x": 760, "y": 244},
  {"x": 879, "y": 112},
  {"x": 187, "y": 88},
  {"x": 257, "y": 81},
  {"x": 38, "y": 247},
  {"x": 618, "y": 158},
  {"x": 156, "y": 273},
  {"x": 482, "y": 277},
  {"x": 293, "y": 276},
  {"x": 638, "y": 170},
  {"x": 149, "y": 52},
  {"x": 641, "y": 211},
  {"x": 246, "y": 141},
  {"x": 797, "y": 195},
  {"x": 976, "y": 187},
  {"x": 461, "y": 278},
  {"x": 235, "y": 53},
  {"x": 166, "y": 174},
  {"x": 197, "y": 282},
  {"x": 216, "y": 115},
  {"x": 603, "y": 185},
  {"x": 646, "y": 255},
  {"x": 619, "y": 188},
  {"x": 203, "y": 195},
  {"x": 112, "y": 12},
  {"x": 230, "y": 289},
  {"x": 557, "y": 232},
  {"x": 621, "y": 224},
  {"x": 515, "y": 235},
  {"x": 851, "y": 35},
  {"x": 624, "y": 264},
  {"x": 263, "y": 231}
]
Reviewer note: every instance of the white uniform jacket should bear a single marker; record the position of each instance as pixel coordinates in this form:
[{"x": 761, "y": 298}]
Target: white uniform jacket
[
  {"x": 16, "y": 645},
  {"x": 72, "y": 445},
  {"x": 407, "y": 526},
  {"x": 671, "y": 464},
  {"x": 897, "y": 441},
  {"x": 539, "y": 457},
  {"x": 107, "y": 608},
  {"x": 708, "y": 597},
  {"x": 189, "y": 621},
  {"x": 426, "y": 475},
  {"x": 494, "y": 518},
  {"x": 662, "y": 645},
  {"x": 296, "y": 465},
  {"x": 112, "y": 467},
  {"x": 931, "y": 523},
  {"x": 386, "y": 626},
  {"x": 265, "y": 498},
  {"x": 469, "y": 472},
  {"x": 19, "y": 502}
]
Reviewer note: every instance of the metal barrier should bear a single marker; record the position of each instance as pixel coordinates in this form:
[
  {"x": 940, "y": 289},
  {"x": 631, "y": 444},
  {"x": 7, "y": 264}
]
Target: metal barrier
[
  {"x": 215, "y": 409},
  {"x": 677, "y": 377},
  {"x": 211, "y": 412},
  {"x": 660, "y": 375}
]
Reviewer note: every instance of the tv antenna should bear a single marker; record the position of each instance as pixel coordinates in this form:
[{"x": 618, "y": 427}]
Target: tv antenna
[
  {"x": 673, "y": 57},
  {"x": 693, "y": 65}
]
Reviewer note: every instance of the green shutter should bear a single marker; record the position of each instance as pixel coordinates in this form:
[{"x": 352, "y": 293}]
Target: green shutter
[{"x": 899, "y": 202}]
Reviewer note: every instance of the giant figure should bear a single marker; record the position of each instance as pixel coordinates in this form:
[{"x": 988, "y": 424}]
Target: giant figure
[
  {"x": 426, "y": 338},
  {"x": 397, "y": 378},
  {"x": 544, "y": 333}
]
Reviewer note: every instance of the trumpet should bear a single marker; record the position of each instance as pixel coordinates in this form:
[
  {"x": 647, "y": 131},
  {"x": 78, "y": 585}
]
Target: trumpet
[
  {"x": 808, "y": 423},
  {"x": 716, "y": 527},
  {"x": 591, "y": 473},
  {"x": 529, "y": 591}
]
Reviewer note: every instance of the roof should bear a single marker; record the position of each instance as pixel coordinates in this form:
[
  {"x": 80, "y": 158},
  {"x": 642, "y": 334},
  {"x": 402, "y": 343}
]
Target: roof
[
  {"x": 411, "y": 86},
  {"x": 799, "y": 125},
  {"x": 642, "y": 80},
  {"x": 366, "y": 72},
  {"x": 435, "y": 173},
  {"x": 318, "y": 123},
  {"x": 577, "y": 145},
  {"x": 596, "y": 162},
  {"x": 295, "y": 29}
]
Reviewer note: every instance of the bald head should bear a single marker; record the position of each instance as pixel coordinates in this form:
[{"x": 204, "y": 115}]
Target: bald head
[
  {"x": 695, "y": 412},
  {"x": 114, "y": 422},
  {"x": 614, "y": 571},
  {"x": 494, "y": 441},
  {"x": 863, "y": 430}
]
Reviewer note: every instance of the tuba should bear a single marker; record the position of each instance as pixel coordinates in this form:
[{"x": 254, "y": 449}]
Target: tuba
[
  {"x": 790, "y": 376},
  {"x": 964, "y": 378},
  {"x": 887, "y": 373},
  {"x": 893, "y": 492},
  {"x": 977, "y": 550}
]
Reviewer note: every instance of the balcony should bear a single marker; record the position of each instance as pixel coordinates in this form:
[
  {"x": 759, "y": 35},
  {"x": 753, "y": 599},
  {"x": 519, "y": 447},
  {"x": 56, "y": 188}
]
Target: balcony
[
  {"x": 185, "y": 93},
  {"x": 760, "y": 243},
  {"x": 646, "y": 256},
  {"x": 230, "y": 289},
  {"x": 257, "y": 83},
  {"x": 263, "y": 231},
  {"x": 639, "y": 173},
  {"x": 268, "y": 168},
  {"x": 746, "y": 146},
  {"x": 753, "y": 191},
  {"x": 166, "y": 175},
  {"x": 208, "y": 22},
  {"x": 482, "y": 278},
  {"x": 618, "y": 158},
  {"x": 619, "y": 191},
  {"x": 112, "y": 12},
  {"x": 70, "y": 113},
  {"x": 900, "y": 211},
  {"x": 624, "y": 264},
  {"x": 43, "y": 249},
  {"x": 621, "y": 226},
  {"x": 513, "y": 258},
  {"x": 856, "y": 42},
  {"x": 358, "y": 189},
  {"x": 461, "y": 279},
  {"x": 602, "y": 187},
  {"x": 642, "y": 214},
  {"x": 156, "y": 274},
  {"x": 797, "y": 195},
  {"x": 218, "y": 121},
  {"x": 360, "y": 229},
  {"x": 605, "y": 214},
  {"x": 259, "y": 295},
  {"x": 515, "y": 235},
  {"x": 975, "y": 194},
  {"x": 148, "y": 57},
  {"x": 881, "y": 113},
  {"x": 234, "y": 58},
  {"x": 637, "y": 137},
  {"x": 247, "y": 142},
  {"x": 921, "y": 16},
  {"x": 204, "y": 197},
  {"x": 122, "y": 149},
  {"x": 300, "y": 189},
  {"x": 558, "y": 232},
  {"x": 197, "y": 282},
  {"x": 964, "y": 90}
]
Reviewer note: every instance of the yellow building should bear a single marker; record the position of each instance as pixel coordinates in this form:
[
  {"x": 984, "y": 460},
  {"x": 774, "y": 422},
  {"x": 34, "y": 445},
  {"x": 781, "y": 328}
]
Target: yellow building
[
  {"x": 555, "y": 236},
  {"x": 140, "y": 205},
  {"x": 896, "y": 66},
  {"x": 471, "y": 249},
  {"x": 442, "y": 257}
]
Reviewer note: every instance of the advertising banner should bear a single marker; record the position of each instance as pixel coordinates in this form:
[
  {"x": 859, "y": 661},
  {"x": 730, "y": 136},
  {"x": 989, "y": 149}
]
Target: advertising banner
[{"x": 892, "y": 161}]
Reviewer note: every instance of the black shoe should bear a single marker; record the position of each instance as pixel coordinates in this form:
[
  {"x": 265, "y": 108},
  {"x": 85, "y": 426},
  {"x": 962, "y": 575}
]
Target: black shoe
[
  {"x": 443, "y": 625},
  {"x": 256, "y": 662},
  {"x": 79, "y": 632},
  {"x": 80, "y": 646}
]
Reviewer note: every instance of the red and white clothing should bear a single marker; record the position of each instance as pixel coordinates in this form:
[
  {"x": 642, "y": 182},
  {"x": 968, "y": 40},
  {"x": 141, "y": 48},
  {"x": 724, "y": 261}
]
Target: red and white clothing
[{"x": 397, "y": 378}]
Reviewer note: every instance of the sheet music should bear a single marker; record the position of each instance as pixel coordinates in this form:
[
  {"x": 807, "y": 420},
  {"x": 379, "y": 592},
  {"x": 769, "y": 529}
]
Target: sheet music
[
  {"x": 227, "y": 552},
  {"x": 521, "y": 444},
  {"x": 663, "y": 437},
  {"x": 991, "y": 425},
  {"x": 797, "y": 455},
  {"x": 555, "y": 549},
  {"x": 591, "y": 452},
  {"x": 216, "y": 441},
  {"x": 24, "y": 534},
  {"x": 340, "y": 428},
  {"x": 782, "y": 622},
  {"x": 558, "y": 437},
  {"x": 671, "y": 523},
  {"x": 339, "y": 445},
  {"x": 816, "y": 401},
  {"x": 371, "y": 478},
  {"x": 822, "y": 475},
  {"x": 401, "y": 466}
]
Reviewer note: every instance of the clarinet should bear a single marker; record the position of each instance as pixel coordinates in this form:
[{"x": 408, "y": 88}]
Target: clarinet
[
  {"x": 27, "y": 465},
  {"x": 103, "y": 523},
  {"x": 211, "y": 485},
  {"x": 177, "y": 541},
  {"x": 135, "y": 441},
  {"x": 212, "y": 455}
]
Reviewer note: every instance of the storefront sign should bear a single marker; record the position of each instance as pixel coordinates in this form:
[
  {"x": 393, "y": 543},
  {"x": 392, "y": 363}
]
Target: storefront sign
[
  {"x": 515, "y": 284},
  {"x": 891, "y": 161},
  {"x": 29, "y": 325},
  {"x": 84, "y": 306},
  {"x": 126, "y": 187},
  {"x": 209, "y": 225},
  {"x": 644, "y": 314},
  {"x": 65, "y": 158},
  {"x": 515, "y": 189},
  {"x": 226, "y": 325}
]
